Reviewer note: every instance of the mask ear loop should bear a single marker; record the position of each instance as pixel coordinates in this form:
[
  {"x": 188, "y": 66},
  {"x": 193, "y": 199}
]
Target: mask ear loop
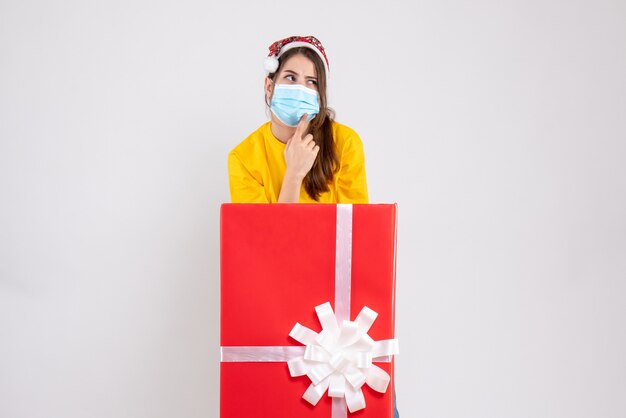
[
  {"x": 272, "y": 82},
  {"x": 268, "y": 101}
]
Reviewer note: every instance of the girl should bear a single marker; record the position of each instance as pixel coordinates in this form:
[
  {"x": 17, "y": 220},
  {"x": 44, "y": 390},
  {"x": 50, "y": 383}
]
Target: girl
[{"x": 302, "y": 154}]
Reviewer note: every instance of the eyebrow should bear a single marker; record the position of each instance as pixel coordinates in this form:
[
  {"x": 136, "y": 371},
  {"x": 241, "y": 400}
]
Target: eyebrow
[{"x": 295, "y": 73}]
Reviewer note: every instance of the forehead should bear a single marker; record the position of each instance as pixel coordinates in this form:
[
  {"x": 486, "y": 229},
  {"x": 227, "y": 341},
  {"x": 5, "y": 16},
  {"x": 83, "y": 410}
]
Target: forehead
[{"x": 300, "y": 65}]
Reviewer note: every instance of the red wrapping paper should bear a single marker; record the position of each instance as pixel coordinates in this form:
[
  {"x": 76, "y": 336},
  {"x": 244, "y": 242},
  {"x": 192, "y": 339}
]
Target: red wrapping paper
[{"x": 277, "y": 264}]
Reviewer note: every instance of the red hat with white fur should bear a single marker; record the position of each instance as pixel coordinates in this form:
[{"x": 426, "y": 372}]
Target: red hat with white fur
[{"x": 280, "y": 47}]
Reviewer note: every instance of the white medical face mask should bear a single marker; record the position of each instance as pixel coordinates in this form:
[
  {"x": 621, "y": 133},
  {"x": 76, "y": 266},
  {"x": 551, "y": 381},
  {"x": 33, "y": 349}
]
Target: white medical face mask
[{"x": 291, "y": 101}]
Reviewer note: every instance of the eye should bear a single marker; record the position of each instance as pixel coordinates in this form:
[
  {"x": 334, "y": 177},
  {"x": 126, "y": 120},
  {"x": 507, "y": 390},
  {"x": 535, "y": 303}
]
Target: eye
[
  {"x": 314, "y": 82},
  {"x": 290, "y": 77}
]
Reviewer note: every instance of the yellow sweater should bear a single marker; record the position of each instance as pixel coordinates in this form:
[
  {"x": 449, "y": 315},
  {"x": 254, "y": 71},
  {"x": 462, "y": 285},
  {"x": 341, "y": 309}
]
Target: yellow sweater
[{"x": 256, "y": 168}]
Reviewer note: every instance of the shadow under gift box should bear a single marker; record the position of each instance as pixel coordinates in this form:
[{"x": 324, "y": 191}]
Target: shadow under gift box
[{"x": 277, "y": 265}]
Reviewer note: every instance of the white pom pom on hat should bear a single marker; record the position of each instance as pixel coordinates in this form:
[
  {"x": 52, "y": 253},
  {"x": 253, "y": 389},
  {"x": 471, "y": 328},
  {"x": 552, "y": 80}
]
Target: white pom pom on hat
[
  {"x": 280, "y": 47},
  {"x": 270, "y": 64}
]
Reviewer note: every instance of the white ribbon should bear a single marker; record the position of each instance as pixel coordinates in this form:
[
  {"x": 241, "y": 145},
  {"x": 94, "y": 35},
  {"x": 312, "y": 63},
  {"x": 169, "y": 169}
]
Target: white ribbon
[{"x": 338, "y": 360}]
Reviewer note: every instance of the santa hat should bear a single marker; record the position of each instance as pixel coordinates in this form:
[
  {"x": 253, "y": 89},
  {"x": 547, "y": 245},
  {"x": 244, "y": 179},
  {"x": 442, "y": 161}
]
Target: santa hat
[{"x": 278, "y": 48}]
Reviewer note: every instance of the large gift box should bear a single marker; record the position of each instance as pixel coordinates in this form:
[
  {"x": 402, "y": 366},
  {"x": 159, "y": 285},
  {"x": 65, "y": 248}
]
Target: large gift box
[{"x": 307, "y": 310}]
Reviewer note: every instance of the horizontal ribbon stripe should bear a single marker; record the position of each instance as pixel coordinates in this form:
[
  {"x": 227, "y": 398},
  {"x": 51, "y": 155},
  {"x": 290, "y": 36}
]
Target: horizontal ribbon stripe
[{"x": 260, "y": 353}]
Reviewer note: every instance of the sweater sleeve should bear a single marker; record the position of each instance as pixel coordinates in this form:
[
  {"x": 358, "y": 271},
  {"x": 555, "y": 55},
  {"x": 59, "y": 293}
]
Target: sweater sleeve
[
  {"x": 244, "y": 187},
  {"x": 351, "y": 180}
]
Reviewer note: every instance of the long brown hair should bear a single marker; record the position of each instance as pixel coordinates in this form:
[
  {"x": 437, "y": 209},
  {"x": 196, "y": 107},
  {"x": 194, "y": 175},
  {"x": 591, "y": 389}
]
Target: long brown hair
[{"x": 326, "y": 163}]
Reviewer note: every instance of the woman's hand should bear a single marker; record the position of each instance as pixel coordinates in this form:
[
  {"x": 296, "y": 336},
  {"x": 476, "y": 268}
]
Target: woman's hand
[{"x": 300, "y": 152}]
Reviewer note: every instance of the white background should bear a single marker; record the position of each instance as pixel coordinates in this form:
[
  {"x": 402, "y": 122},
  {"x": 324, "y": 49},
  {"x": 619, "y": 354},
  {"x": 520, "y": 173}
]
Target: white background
[{"x": 498, "y": 126}]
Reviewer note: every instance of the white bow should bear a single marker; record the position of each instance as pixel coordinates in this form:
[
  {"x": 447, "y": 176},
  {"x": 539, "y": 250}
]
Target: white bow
[{"x": 339, "y": 358}]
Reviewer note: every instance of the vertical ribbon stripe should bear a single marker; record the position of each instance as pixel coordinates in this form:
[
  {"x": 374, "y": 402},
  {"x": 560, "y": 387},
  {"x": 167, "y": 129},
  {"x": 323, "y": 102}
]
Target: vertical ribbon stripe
[{"x": 343, "y": 262}]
